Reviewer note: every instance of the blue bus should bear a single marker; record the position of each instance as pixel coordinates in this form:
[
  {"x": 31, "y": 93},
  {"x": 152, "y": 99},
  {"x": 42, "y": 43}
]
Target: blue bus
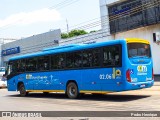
[{"x": 98, "y": 68}]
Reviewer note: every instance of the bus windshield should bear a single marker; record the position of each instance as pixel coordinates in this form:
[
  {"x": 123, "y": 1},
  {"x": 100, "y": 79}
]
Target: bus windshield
[
  {"x": 9, "y": 69},
  {"x": 138, "y": 49}
]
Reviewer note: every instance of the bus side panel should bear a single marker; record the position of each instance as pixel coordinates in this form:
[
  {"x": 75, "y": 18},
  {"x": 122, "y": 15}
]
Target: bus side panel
[
  {"x": 11, "y": 84},
  {"x": 117, "y": 75},
  {"x": 55, "y": 80},
  {"x": 69, "y": 76},
  {"x": 112, "y": 79},
  {"x": 43, "y": 81},
  {"x": 105, "y": 79},
  {"x": 90, "y": 80}
]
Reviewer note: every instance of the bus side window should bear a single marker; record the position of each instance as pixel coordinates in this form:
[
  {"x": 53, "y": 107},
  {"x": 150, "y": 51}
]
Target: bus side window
[
  {"x": 54, "y": 61},
  {"x": 111, "y": 56},
  {"x": 43, "y": 63},
  {"x": 70, "y": 60},
  {"x": 78, "y": 59},
  {"x": 74, "y": 60},
  {"x": 58, "y": 61},
  {"x": 105, "y": 57},
  {"x": 31, "y": 64},
  {"x": 20, "y": 65},
  {"x": 117, "y": 55},
  {"x": 61, "y": 62},
  {"x": 87, "y": 58},
  {"x": 96, "y": 58}
]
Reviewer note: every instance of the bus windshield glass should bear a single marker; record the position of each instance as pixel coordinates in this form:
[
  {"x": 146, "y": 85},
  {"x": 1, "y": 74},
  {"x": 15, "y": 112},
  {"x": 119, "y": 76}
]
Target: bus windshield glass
[
  {"x": 9, "y": 69},
  {"x": 138, "y": 49}
]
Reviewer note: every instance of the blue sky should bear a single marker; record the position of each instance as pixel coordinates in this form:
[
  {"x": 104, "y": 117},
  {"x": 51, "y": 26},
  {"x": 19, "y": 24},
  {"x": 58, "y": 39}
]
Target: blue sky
[{"x": 22, "y": 18}]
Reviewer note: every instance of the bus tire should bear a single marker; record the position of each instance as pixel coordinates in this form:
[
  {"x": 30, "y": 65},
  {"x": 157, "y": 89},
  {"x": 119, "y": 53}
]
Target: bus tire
[
  {"x": 22, "y": 91},
  {"x": 72, "y": 90}
]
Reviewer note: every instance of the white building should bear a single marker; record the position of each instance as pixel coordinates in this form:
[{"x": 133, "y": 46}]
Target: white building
[
  {"x": 137, "y": 19},
  {"x": 31, "y": 44}
]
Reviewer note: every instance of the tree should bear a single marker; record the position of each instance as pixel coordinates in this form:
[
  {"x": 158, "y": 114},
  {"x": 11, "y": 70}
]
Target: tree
[
  {"x": 92, "y": 31},
  {"x": 64, "y": 35},
  {"x": 77, "y": 33},
  {"x": 73, "y": 33}
]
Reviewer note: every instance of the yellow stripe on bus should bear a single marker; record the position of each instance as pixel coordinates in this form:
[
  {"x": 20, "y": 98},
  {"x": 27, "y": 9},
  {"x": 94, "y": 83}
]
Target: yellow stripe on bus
[
  {"x": 45, "y": 91},
  {"x": 98, "y": 92},
  {"x": 62, "y": 91},
  {"x": 137, "y": 40}
]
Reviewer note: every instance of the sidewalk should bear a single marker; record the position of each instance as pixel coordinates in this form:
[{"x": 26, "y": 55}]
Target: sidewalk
[{"x": 157, "y": 83}]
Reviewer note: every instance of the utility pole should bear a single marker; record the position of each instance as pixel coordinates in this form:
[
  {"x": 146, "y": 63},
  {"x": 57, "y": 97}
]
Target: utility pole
[{"x": 67, "y": 26}]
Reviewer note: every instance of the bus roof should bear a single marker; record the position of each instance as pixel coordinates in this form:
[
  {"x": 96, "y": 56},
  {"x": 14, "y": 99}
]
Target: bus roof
[
  {"x": 135, "y": 40},
  {"x": 68, "y": 48},
  {"x": 62, "y": 47}
]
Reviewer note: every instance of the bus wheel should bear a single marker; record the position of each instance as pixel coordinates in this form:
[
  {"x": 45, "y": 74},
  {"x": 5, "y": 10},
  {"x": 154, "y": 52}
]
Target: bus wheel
[
  {"x": 22, "y": 90},
  {"x": 72, "y": 90}
]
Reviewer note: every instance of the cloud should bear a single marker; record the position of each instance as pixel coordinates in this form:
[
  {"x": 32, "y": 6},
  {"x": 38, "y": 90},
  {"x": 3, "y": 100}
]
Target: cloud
[{"x": 24, "y": 18}]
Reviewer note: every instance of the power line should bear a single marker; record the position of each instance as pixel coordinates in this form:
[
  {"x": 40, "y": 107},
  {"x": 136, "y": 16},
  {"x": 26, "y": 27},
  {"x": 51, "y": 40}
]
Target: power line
[
  {"x": 116, "y": 17},
  {"x": 63, "y": 4},
  {"x": 8, "y": 25},
  {"x": 82, "y": 24},
  {"x": 98, "y": 22},
  {"x": 59, "y": 4},
  {"x": 88, "y": 26}
]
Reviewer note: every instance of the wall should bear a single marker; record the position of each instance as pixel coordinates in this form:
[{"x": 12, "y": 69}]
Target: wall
[
  {"x": 34, "y": 43},
  {"x": 104, "y": 13},
  {"x": 144, "y": 32}
]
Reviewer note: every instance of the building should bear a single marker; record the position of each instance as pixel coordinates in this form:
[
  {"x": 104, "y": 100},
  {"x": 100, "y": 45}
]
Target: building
[
  {"x": 133, "y": 18},
  {"x": 4, "y": 41},
  {"x": 31, "y": 44}
]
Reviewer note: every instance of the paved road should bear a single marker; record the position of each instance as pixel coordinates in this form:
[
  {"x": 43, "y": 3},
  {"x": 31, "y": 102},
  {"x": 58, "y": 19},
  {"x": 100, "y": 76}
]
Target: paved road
[{"x": 139, "y": 100}]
